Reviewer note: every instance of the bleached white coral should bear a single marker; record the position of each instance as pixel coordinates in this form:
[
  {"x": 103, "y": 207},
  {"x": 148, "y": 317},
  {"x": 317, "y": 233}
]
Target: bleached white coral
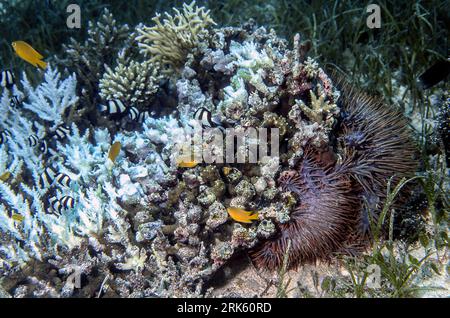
[
  {"x": 51, "y": 98},
  {"x": 29, "y": 227},
  {"x": 166, "y": 132},
  {"x": 252, "y": 65},
  {"x": 248, "y": 56},
  {"x": 84, "y": 156},
  {"x": 19, "y": 128},
  {"x": 22, "y": 226}
]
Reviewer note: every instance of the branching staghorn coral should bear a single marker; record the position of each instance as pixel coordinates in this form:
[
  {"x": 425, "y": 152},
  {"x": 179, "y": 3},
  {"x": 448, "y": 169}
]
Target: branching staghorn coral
[
  {"x": 29, "y": 229},
  {"x": 17, "y": 144},
  {"x": 50, "y": 100},
  {"x": 319, "y": 110},
  {"x": 169, "y": 42},
  {"x": 113, "y": 211}
]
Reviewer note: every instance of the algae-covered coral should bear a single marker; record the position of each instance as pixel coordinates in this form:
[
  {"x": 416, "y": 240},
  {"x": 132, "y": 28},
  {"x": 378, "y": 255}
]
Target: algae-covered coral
[{"x": 77, "y": 221}]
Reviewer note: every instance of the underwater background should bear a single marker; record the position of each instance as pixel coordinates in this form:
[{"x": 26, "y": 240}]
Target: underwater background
[{"x": 93, "y": 202}]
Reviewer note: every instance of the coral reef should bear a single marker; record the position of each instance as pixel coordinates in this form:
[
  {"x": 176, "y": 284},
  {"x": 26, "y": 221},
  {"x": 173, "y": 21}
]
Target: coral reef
[{"x": 77, "y": 223}]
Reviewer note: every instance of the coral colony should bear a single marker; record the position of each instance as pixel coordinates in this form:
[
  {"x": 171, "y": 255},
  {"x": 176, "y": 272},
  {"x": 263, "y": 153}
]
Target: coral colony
[{"x": 157, "y": 154}]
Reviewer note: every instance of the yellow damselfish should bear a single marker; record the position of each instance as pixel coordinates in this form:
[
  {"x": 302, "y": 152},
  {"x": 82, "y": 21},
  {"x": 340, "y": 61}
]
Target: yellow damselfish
[
  {"x": 242, "y": 216},
  {"x": 187, "y": 164},
  {"x": 226, "y": 170},
  {"x": 27, "y": 53},
  {"x": 4, "y": 177},
  {"x": 17, "y": 217},
  {"x": 114, "y": 151}
]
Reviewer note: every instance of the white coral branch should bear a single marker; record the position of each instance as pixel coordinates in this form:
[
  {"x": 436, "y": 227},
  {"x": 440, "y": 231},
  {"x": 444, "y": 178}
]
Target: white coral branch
[{"x": 50, "y": 99}]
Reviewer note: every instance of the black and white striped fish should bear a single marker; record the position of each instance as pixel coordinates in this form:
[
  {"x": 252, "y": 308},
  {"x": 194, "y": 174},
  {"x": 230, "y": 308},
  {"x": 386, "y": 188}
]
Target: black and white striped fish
[
  {"x": 67, "y": 202},
  {"x": 58, "y": 205},
  {"x": 43, "y": 147},
  {"x": 113, "y": 107},
  {"x": 55, "y": 204},
  {"x": 61, "y": 132},
  {"x": 205, "y": 119},
  {"x": 33, "y": 140},
  {"x": 7, "y": 79},
  {"x": 14, "y": 102},
  {"x": 63, "y": 179},
  {"x": 4, "y": 134},
  {"x": 135, "y": 114},
  {"x": 47, "y": 177}
]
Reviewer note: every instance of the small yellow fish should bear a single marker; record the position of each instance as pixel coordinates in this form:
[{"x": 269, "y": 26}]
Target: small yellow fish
[
  {"x": 4, "y": 177},
  {"x": 17, "y": 217},
  {"x": 226, "y": 170},
  {"x": 242, "y": 216},
  {"x": 114, "y": 151},
  {"x": 27, "y": 53},
  {"x": 187, "y": 164}
]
